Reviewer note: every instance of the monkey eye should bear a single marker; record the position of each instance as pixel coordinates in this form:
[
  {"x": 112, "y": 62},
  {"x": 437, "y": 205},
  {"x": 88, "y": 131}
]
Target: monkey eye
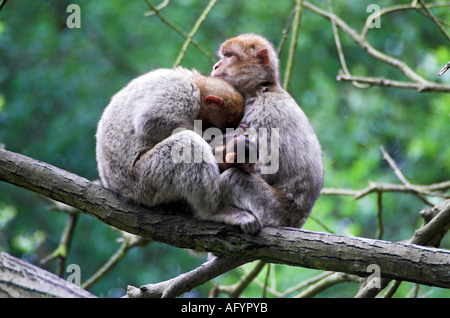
[{"x": 229, "y": 54}]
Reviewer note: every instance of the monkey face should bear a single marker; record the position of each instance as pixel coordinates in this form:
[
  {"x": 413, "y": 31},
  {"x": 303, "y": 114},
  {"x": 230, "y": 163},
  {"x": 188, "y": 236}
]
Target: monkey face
[{"x": 247, "y": 61}]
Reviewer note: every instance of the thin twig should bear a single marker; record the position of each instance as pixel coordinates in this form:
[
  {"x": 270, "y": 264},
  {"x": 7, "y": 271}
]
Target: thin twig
[
  {"x": 326, "y": 228},
  {"x": 390, "y": 187},
  {"x": 380, "y": 215},
  {"x": 62, "y": 251},
  {"x": 285, "y": 33},
  {"x": 159, "y": 7},
  {"x": 293, "y": 46},
  {"x": 236, "y": 290},
  {"x": 340, "y": 51},
  {"x": 399, "y": 7},
  {"x": 193, "y": 31},
  {"x": 434, "y": 19},
  {"x": 444, "y": 69},
  {"x": 400, "y": 175},
  {"x": 2, "y": 4},
  {"x": 384, "y": 82},
  {"x": 306, "y": 283},
  {"x": 326, "y": 283},
  {"x": 392, "y": 289},
  {"x": 266, "y": 281},
  {"x": 128, "y": 242},
  {"x": 180, "y": 32}
]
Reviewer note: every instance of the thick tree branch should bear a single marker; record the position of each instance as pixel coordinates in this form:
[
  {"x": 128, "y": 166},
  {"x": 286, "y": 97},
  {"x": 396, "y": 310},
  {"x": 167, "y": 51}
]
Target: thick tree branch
[
  {"x": 352, "y": 255},
  {"x": 18, "y": 278}
]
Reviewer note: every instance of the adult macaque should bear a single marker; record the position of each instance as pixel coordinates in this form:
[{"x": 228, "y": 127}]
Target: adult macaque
[
  {"x": 286, "y": 196},
  {"x": 141, "y": 159}
]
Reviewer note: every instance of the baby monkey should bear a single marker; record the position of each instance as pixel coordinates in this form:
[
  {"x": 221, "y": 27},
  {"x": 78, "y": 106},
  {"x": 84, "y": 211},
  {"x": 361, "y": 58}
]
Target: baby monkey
[{"x": 235, "y": 150}]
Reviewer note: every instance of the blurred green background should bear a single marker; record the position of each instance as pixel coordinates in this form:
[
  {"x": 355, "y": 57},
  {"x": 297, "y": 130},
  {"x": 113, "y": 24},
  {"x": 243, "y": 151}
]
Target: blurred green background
[{"x": 56, "y": 81}]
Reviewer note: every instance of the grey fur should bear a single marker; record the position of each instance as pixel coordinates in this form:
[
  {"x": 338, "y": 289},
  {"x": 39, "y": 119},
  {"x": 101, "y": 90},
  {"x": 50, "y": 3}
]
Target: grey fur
[
  {"x": 286, "y": 197},
  {"x": 135, "y": 143}
]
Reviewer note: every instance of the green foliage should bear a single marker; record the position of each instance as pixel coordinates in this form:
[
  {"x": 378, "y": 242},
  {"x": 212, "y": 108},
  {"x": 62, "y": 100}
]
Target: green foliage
[{"x": 56, "y": 81}]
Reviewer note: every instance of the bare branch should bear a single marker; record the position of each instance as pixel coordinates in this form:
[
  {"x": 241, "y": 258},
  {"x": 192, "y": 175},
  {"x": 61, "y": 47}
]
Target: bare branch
[
  {"x": 193, "y": 31},
  {"x": 275, "y": 245},
  {"x": 327, "y": 282},
  {"x": 341, "y": 51},
  {"x": 381, "y": 81},
  {"x": 293, "y": 45},
  {"x": 62, "y": 251},
  {"x": 419, "y": 82},
  {"x": 236, "y": 290},
  {"x": 128, "y": 242},
  {"x": 444, "y": 69},
  {"x": 187, "y": 281},
  {"x": 395, "y": 8},
  {"x": 430, "y": 233},
  {"x": 180, "y": 32},
  {"x": 400, "y": 175},
  {"x": 432, "y": 17}
]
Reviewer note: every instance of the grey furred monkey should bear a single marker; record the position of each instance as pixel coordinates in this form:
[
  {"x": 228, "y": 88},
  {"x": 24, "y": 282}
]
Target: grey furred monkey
[
  {"x": 138, "y": 155},
  {"x": 283, "y": 197}
]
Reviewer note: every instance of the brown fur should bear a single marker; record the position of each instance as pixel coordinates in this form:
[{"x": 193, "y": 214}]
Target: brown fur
[{"x": 284, "y": 197}]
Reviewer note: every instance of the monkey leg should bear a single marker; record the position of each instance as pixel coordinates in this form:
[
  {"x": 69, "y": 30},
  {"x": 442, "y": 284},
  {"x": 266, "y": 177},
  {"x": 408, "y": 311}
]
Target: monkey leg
[
  {"x": 180, "y": 167},
  {"x": 274, "y": 207},
  {"x": 183, "y": 167}
]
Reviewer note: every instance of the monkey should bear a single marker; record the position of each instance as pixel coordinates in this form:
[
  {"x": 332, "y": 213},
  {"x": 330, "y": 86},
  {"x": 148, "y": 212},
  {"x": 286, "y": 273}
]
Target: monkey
[
  {"x": 237, "y": 151},
  {"x": 149, "y": 150},
  {"x": 156, "y": 122},
  {"x": 282, "y": 195}
]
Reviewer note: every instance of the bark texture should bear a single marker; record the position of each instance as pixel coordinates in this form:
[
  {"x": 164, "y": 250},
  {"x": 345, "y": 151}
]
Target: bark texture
[
  {"x": 399, "y": 261},
  {"x": 18, "y": 278}
]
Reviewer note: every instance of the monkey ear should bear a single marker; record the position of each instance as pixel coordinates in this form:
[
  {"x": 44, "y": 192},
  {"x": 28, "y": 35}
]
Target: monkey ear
[
  {"x": 263, "y": 56},
  {"x": 229, "y": 157},
  {"x": 211, "y": 99}
]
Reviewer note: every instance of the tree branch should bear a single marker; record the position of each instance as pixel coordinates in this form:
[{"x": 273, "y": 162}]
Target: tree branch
[
  {"x": 352, "y": 255},
  {"x": 444, "y": 69},
  {"x": 187, "y": 281},
  {"x": 193, "y": 31},
  {"x": 293, "y": 45},
  {"x": 18, "y": 278},
  {"x": 180, "y": 32},
  {"x": 433, "y": 18},
  {"x": 418, "y": 82}
]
